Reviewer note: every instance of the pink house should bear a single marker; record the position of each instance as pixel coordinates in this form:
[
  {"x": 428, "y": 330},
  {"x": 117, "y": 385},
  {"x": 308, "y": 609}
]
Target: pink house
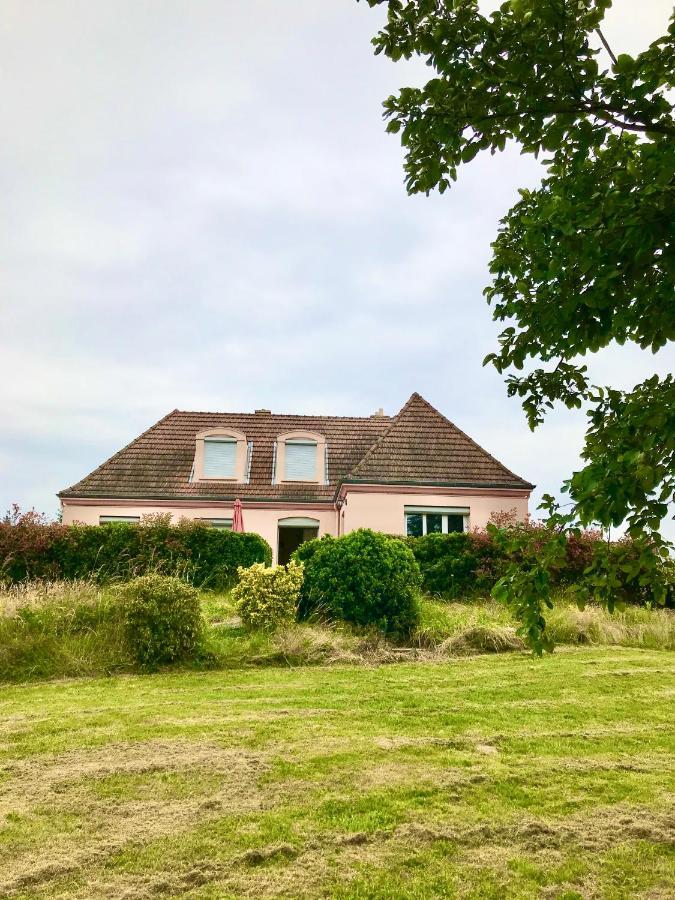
[{"x": 303, "y": 476}]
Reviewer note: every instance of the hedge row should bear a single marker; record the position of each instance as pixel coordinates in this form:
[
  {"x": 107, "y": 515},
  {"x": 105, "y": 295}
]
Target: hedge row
[
  {"x": 206, "y": 556},
  {"x": 463, "y": 564}
]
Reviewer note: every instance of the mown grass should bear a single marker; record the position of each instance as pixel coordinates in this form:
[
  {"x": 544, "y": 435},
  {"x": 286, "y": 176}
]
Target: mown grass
[
  {"x": 482, "y": 776},
  {"x": 74, "y": 629}
]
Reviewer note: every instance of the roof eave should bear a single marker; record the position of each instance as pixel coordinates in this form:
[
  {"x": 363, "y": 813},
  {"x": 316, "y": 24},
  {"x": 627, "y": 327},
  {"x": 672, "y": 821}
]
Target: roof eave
[
  {"x": 416, "y": 482},
  {"x": 108, "y": 495}
]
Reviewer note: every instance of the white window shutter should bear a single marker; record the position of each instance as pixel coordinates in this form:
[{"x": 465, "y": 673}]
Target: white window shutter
[
  {"x": 219, "y": 458},
  {"x": 300, "y": 461}
]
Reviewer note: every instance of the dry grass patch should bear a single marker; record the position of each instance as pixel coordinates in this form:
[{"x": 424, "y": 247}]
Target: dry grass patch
[
  {"x": 115, "y": 795},
  {"x": 35, "y": 595},
  {"x": 482, "y": 639}
]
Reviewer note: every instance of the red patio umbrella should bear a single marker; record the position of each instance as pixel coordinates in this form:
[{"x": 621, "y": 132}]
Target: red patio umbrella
[{"x": 237, "y": 518}]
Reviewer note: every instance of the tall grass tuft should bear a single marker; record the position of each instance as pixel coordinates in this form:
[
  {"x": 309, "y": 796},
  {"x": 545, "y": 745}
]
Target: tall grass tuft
[
  {"x": 653, "y": 629},
  {"x": 59, "y": 629},
  {"x": 64, "y": 629},
  {"x": 488, "y": 627}
]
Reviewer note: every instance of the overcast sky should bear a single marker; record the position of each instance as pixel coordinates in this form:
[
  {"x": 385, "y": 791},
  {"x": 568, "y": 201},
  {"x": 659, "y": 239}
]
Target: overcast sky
[{"x": 201, "y": 210}]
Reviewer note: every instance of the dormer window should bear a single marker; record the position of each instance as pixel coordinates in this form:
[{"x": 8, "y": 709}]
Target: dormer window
[
  {"x": 300, "y": 460},
  {"x": 221, "y": 455},
  {"x": 300, "y": 456}
]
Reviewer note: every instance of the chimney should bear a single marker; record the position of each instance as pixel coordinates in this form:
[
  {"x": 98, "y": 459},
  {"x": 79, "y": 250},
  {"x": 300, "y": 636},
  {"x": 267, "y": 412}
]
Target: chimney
[
  {"x": 378, "y": 414},
  {"x": 263, "y": 412}
]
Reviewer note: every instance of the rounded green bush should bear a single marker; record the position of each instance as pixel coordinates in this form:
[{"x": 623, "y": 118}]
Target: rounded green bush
[
  {"x": 365, "y": 578},
  {"x": 162, "y": 618},
  {"x": 307, "y": 549}
]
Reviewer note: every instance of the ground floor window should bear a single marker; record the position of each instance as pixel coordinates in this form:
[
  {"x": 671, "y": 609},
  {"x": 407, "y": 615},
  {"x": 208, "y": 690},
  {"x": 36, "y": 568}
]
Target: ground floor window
[
  {"x": 435, "y": 520},
  {"x": 104, "y": 520},
  {"x": 219, "y": 523}
]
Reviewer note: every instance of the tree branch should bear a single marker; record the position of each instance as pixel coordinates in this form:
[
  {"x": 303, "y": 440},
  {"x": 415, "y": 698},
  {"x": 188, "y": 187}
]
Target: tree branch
[
  {"x": 606, "y": 46},
  {"x": 599, "y": 110}
]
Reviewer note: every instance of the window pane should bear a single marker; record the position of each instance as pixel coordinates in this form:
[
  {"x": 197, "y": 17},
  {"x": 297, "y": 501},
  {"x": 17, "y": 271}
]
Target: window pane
[
  {"x": 219, "y": 458},
  {"x": 219, "y": 523},
  {"x": 434, "y": 523},
  {"x": 455, "y": 523},
  {"x": 413, "y": 524},
  {"x": 105, "y": 520},
  {"x": 300, "y": 462}
]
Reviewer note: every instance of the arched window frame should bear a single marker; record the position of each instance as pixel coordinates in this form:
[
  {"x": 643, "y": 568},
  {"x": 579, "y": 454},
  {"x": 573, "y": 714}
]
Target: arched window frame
[
  {"x": 241, "y": 454},
  {"x": 280, "y": 456}
]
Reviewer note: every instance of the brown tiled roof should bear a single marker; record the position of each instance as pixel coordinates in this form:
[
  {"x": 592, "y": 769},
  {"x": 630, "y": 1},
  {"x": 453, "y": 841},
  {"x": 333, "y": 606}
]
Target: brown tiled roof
[
  {"x": 418, "y": 445},
  {"x": 158, "y": 463},
  {"x": 421, "y": 446}
]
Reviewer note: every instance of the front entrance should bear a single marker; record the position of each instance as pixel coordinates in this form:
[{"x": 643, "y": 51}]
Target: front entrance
[{"x": 292, "y": 533}]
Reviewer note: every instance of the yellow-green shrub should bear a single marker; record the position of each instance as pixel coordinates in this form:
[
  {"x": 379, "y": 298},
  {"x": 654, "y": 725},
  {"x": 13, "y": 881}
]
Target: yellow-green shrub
[{"x": 267, "y": 596}]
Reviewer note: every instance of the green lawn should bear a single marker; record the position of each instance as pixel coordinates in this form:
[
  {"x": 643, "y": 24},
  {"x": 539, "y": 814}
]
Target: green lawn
[{"x": 486, "y": 776}]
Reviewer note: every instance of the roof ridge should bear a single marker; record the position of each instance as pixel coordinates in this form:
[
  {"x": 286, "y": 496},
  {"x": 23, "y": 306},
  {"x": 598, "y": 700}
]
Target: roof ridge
[
  {"x": 120, "y": 451},
  {"x": 205, "y": 412}
]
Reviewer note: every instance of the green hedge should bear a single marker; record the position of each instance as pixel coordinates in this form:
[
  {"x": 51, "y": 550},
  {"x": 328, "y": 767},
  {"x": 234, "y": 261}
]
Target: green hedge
[
  {"x": 206, "y": 556},
  {"x": 466, "y": 564},
  {"x": 455, "y": 565}
]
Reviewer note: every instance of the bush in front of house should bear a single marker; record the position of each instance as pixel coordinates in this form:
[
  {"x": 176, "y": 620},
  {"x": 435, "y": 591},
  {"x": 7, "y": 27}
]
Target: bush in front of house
[
  {"x": 267, "y": 596},
  {"x": 307, "y": 549},
  {"x": 365, "y": 578},
  {"x": 162, "y": 619},
  {"x": 465, "y": 564},
  {"x": 206, "y": 556}
]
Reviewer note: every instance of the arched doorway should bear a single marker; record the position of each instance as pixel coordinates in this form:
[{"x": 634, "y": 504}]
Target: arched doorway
[{"x": 292, "y": 532}]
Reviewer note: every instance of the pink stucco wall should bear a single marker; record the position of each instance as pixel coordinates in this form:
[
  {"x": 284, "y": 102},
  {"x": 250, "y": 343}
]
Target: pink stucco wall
[
  {"x": 383, "y": 510},
  {"x": 264, "y": 522}
]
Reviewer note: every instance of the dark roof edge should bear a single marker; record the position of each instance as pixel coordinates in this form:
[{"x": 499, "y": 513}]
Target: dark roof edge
[
  {"x": 519, "y": 485},
  {"x": 394, "y": 421},
  {"x": 187, "y": 498},
  {"x": 274, "y": 415},
  {"x": 472, "y": 441}
]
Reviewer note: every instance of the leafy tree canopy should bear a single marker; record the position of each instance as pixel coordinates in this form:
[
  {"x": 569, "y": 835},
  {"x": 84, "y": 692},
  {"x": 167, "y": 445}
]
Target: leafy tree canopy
[{"x": 586, "y": 259}]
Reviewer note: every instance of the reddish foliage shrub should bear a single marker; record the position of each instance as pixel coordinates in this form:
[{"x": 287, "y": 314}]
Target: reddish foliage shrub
[
  {"x": 31, "y": 548},
  {"x": 467, "y": 563}
]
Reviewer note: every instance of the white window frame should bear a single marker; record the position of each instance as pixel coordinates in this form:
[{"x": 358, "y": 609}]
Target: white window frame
[
  {"x": 295, "y": 437},
  {"x": 249, "y": 461},
  {"x": 443, "y": 511},
  {"x": 243, "y": 454}
]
